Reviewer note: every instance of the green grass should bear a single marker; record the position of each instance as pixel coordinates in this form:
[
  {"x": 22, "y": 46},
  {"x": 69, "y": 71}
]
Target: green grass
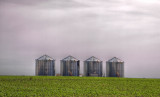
[{"x": 19, "y": 86}]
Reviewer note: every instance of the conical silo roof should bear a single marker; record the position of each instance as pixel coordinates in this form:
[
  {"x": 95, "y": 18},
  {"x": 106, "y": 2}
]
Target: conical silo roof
[
  {"x": 70, "y": 58},
  {"x": 115, "y": 59},
  {"x": 45, "y": 57},
  {"x": 93, "y": 59}
]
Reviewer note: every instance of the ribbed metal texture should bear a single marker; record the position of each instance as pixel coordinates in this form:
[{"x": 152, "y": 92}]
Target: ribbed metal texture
[
  {"x": 93, "y": 67},
  {"x": 45, "y": 66},
  {"x": 115, "y": 68},
  {"x": 70, "y": 66}
]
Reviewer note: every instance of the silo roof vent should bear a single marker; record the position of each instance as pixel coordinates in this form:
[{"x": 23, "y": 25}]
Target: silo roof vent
[
  {"x": 115, "y": 59},
  {"x": 93, "y": 59},
  {"x": 45, "y": 57},
  {"x": 70, "y": 58}
]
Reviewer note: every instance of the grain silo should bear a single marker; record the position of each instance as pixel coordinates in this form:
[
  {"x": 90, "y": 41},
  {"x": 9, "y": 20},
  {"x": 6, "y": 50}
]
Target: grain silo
[
  {"x": 70, "y": 66},
  {"x": 115, "y": 68},
  {"x": 45, "y": 66},
  {"x": 93, "y": 67}
]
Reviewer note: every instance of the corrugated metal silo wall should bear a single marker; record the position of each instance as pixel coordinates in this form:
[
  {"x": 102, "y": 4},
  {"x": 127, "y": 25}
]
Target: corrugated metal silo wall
[
  {"x": 92, "y": 68},
  {"x": 107, "y": 69},
  {"x": 45, "y": 67},
  {"x": 114, "y": 69},
  {"x": 69, "y": 68},
  {"x": 85, "y": 68}
]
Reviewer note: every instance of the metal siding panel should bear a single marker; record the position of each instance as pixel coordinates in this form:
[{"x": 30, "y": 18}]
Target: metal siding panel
[
  {"x": 70, "y": 68},
  {"x": 116, "y": 69},
  {"x": 107, "y": 69},
  {"x": 45, "y": 67},
  {"x": 93, "y": 68},
  {"x": 85, "y": 68}
]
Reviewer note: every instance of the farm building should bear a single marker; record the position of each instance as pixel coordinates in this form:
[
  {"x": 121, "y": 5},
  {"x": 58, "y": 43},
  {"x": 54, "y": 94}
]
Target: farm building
[
  {"x": 115, "y": 68},
  {"x": 70, "y": 66},
  {"x": 45, "y": 66},
  {"x": 93, "y": 67}
]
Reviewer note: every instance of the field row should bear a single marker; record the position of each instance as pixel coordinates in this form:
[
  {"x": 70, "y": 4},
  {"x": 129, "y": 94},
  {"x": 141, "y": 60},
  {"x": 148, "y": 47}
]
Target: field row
[{"x": 77, "y": 86}]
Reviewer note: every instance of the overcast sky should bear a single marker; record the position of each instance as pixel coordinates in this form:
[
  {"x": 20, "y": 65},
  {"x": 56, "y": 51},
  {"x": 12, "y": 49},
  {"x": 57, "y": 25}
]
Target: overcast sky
[{"x": 127, "y": 29}]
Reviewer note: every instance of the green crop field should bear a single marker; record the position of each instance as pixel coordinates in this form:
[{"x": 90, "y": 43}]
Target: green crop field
[{"x": 19, "y": 86}]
